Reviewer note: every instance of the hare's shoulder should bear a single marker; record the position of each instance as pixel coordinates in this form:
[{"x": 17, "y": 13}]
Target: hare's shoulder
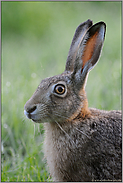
[
  {"x": 103, "y": 124},
  {"x": 102, "y": 118},
  {"x": 101, "y": 129}
]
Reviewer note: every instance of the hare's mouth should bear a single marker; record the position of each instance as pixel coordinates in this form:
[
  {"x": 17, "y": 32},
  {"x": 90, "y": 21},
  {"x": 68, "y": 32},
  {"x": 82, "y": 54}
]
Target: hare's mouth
[
  {"x": 32, "y": 116},
  {"x": 36, "y": 121}
]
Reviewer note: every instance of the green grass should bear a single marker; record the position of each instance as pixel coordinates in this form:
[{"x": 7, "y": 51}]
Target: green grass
[{"x": 36, "y": 37}]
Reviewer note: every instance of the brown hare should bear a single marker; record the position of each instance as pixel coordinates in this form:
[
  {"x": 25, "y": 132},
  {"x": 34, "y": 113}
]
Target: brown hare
[{"x": 81, "y": 143}]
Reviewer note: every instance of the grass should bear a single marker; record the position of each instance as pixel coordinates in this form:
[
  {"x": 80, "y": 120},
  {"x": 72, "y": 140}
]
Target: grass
[{"x": 36, "y": 37}]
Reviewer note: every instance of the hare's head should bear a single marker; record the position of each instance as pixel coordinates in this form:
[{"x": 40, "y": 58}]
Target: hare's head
[{"x": 62, "y": 97}]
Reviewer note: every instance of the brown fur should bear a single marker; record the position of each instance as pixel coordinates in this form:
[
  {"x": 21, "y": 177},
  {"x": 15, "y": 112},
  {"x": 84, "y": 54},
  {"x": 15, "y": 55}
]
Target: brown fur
[{"x": 81, "y": 143}]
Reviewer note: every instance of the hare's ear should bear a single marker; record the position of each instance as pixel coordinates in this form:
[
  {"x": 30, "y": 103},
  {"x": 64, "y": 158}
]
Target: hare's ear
[
  {"x": 77, "y": 39},
  {"x": 88, "y": 52}
]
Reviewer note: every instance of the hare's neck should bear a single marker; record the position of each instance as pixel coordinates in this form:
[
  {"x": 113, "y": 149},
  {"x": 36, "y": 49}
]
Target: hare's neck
[
  {"x": 56, "y": 142},
  {"x": 83, "y": 110}
]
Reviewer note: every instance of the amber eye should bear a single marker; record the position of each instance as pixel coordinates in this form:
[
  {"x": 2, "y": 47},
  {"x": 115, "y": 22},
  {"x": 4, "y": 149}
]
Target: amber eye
[{"x": 60, "y": 89}]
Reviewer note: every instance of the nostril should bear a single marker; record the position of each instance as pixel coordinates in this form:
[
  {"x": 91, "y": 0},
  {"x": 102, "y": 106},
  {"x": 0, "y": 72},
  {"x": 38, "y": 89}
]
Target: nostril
[{"x": 32, "y": 109}]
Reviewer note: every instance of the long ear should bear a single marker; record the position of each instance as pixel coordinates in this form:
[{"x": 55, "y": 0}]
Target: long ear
[
  {"x": 77, "y": 39},
  {"x": 88, "y": 52}
]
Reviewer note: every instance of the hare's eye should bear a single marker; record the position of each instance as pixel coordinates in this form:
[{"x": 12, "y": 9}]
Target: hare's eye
[{"x": 60, "y": 89}]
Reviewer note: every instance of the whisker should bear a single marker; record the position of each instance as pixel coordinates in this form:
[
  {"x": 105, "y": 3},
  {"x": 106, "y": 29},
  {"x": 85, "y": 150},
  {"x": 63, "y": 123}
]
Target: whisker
[
  {"x": 65, "y": 132},
  {"x": 23, "y": 118},
  {"x": 82, "y": 132},
  {"x": 34, "y": 129},
  {"x": 39, "y": 129},
  {"x": 57, "y": 114}
]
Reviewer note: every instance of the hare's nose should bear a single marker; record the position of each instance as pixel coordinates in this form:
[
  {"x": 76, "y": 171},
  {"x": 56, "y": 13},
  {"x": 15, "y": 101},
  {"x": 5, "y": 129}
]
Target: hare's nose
[{"x": 32, "y": 109}]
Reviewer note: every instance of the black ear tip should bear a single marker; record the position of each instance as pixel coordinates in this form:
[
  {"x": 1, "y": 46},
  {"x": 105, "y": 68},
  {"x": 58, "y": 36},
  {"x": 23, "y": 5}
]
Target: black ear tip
[
  {"x": 100, "y": 26},
  {"x": 101, "y": 22},
  {"x": 89, "y": 22}
]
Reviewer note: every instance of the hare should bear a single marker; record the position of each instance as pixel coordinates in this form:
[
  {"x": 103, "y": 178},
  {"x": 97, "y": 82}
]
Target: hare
[{"x": 81, "y": 143}]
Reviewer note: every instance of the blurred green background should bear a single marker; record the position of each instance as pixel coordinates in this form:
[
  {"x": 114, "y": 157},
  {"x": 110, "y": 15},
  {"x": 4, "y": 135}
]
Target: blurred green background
[{"x": 36, "y": 37}]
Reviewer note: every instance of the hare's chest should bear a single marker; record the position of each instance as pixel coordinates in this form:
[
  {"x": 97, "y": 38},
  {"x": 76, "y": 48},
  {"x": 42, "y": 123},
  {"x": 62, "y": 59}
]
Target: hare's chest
[
  {"x": 63, "y": 152},
  {"x": 56, "y": 153},
  {"x": 58, "y": 146}
]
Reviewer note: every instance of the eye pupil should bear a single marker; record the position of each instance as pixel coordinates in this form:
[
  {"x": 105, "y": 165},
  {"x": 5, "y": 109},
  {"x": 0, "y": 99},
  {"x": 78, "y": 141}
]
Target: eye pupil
[{"x": 60, "y": 89}]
